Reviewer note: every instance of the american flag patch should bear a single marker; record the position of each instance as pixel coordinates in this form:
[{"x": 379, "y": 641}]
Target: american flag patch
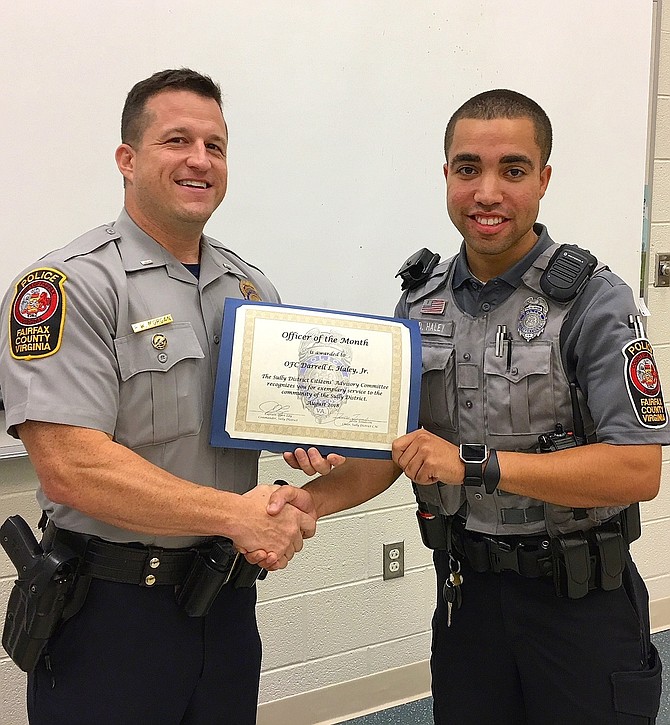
[{"x": 433, "y": 307}]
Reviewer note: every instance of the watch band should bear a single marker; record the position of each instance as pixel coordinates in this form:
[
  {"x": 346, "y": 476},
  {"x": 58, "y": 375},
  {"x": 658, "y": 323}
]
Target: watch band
[
  {"x": 491, "y": 472},
  {"x": 474, "y": 474}
]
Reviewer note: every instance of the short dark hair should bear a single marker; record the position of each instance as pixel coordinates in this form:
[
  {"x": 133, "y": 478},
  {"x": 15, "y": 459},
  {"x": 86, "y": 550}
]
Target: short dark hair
[
  {"x": 133, "y": 118},
  {"x": 503, "y": 103}
]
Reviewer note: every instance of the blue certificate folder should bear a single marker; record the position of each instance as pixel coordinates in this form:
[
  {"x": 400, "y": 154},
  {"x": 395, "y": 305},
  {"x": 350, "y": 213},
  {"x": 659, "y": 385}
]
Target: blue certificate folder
[{"x": 224, "y": 397}]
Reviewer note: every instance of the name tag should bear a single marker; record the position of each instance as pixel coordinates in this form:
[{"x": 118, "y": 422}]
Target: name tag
[
  {"x": 149, "y": 324},
  {"x": 433, "y": 327}
]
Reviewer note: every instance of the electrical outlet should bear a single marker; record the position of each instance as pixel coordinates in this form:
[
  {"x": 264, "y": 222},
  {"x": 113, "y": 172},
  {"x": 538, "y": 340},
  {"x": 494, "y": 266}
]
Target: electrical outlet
[{"x": 394, "y": 560}]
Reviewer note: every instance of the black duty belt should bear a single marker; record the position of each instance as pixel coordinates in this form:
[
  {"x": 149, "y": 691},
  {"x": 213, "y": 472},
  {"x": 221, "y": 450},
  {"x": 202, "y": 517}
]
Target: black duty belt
[
  {"x": 529, "y": 556},
  {"x": 197, "y": 573},
  {"x": 128, "y": 563},
  {"x": 577, "y": 563}
]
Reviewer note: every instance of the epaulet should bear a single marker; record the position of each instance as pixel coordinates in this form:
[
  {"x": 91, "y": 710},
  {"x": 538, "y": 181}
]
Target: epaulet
[
  {"x": 417, "y": 268},
  {"x": 90, "y": 241},
  {"x": 219, "y": 247}
]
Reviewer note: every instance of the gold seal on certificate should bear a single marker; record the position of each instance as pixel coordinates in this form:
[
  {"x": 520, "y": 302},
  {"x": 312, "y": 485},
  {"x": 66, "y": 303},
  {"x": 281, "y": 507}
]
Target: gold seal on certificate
[{"x": 293, "y": 376}]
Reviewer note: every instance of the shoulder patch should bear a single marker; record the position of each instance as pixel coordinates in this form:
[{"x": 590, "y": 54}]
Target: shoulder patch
[
  {"x": 643, "y": 383},
  {"x": 37, "y": 314}
]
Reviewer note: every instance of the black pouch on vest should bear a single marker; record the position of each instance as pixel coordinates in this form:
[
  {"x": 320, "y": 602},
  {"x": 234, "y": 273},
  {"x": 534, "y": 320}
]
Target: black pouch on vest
[{"x": 631, "y": 526}]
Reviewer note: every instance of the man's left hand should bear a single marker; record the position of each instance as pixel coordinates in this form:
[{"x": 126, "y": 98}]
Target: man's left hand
[{"x": 426, "y": 458}]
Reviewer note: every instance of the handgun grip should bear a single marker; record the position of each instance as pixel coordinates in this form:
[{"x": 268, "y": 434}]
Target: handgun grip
[{"x": 18, "y": 540}]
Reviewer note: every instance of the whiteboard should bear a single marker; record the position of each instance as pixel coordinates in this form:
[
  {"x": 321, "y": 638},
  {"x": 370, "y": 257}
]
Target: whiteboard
[{"x": 336, "y": 111}]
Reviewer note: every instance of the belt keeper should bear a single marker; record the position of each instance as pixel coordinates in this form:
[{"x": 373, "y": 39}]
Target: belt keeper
[
  {"x": 612, "y": 558},
  {"x": 572, "y": 565},
  {"x": 477, "y": 554},
  {"x": 151, "y": 570}
]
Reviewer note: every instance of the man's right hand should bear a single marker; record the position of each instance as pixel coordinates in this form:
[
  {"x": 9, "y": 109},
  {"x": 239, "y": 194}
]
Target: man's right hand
[
  {"x": 310, "y": 462},
  {"x": 277, "y": 536},
  {"x": 281, "y": 500}
]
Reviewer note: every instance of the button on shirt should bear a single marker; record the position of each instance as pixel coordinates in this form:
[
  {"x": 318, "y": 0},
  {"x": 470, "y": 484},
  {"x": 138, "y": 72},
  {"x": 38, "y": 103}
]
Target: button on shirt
[{"x": 476, "y": 298}]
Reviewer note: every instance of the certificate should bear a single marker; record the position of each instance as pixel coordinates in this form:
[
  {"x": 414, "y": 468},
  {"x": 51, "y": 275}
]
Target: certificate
[{"x": 292, "y": 377}]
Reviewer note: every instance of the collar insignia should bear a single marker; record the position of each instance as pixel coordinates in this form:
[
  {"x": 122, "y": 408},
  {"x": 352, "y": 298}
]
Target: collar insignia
[{"x": 249, "y": 292}]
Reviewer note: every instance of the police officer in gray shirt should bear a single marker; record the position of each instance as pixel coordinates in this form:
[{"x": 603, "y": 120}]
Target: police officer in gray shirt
[
  {"x": 108, "y": 354},
  {"x": 542, "y": 421}
]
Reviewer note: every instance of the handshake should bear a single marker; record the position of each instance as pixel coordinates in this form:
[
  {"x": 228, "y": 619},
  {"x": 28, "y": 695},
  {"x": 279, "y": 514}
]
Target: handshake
[
  {"x": 281, "y": 517},
  {"x": 278, "y": 518}
]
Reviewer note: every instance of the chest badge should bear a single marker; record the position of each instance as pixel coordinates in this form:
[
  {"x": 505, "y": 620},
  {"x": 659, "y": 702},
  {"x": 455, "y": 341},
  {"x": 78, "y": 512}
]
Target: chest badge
[
  {"x": 249, "y": 292},
  {"x": 433, "y": 307},
  {"x": 159, "y": 341},
  {"x": 533, "y": 318}
]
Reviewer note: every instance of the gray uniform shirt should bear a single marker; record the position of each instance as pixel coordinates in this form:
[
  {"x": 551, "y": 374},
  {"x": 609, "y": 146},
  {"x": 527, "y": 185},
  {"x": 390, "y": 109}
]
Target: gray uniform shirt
[
  {"x": 151, "y": 389},
  {"x": 592, "y": 339}
]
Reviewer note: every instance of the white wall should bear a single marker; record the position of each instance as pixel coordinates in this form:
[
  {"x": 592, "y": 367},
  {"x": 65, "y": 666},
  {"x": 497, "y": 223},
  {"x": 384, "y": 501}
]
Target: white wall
[{"x": 336, "y": 110}]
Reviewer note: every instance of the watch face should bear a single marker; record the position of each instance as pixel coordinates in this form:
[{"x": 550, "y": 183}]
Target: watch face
[{"x": 473, "y": 452}]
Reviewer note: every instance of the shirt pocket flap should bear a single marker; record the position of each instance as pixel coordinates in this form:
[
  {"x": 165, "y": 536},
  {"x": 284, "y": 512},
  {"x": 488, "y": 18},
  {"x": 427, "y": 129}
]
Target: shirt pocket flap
[
  {"x": 155, "y": 350},
  {"x": 435, "y": 357},
  {"x": 526, "y": 360}
]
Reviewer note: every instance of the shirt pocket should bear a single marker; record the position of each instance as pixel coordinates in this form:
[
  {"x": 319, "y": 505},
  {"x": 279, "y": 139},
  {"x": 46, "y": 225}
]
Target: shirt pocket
[
  {"x": 438, "y": 387},
  {"x": 160, "y": 396},
  {"x": 519, "y": 399}
]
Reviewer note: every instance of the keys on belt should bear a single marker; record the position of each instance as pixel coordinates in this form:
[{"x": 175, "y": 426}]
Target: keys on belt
[{"x": 452, "y": 592}]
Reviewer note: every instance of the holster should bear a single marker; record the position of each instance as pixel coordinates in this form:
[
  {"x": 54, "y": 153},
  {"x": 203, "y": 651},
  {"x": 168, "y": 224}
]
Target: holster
[
  {"x": 213, "y": 568},
  {"x": 43, "y": 590}
]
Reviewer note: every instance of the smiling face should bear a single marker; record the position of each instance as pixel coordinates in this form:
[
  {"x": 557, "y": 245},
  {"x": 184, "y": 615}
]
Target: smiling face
[
  {"x": 176, "y": 174},
  {"x": 495, "y": 181}
]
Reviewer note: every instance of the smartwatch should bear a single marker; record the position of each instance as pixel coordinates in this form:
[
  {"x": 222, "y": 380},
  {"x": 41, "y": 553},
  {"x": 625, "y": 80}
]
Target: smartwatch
[{"x": 474, "y": 455}]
